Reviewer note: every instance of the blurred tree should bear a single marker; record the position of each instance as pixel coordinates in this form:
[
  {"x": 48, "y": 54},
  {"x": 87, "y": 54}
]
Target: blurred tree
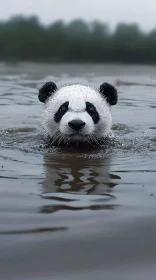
[
  {"x": 25, "y": 38},
  {"x": 125, "y": 42}
]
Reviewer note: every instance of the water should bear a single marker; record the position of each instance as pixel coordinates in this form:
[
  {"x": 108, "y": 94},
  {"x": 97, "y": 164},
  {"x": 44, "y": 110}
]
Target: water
[{"x": 77, "y": 214}]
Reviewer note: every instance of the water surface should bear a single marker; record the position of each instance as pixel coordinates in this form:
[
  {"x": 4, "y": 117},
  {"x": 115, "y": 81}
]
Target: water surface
[{"x": 75, "y": 213}]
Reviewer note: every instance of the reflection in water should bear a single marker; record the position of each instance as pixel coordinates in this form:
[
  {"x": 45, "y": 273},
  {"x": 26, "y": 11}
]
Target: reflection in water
[
  {"x": 53, "y": 208},
  {"x": 36, "y": 230},
  {"x": 78, "y": 174},
  {"x": 69, "y": 178}
]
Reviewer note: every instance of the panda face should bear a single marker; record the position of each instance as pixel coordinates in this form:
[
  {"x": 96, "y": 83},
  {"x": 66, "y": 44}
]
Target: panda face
[{"x": 76, "y": 113}]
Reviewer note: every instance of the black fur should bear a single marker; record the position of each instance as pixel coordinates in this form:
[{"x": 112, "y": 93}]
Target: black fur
[
  {"x": 46, "y": 91},
  {"x": 109, "y": 92},
  {"x": 61, "y": 111},
  {"x": 91, "y": 110}
]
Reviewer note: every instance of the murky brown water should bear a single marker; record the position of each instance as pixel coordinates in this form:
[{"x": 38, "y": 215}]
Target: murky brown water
[{"x": 76, "y": 214}]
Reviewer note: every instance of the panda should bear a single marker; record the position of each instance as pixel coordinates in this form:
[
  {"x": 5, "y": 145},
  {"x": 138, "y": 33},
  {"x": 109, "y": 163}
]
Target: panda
[{"x": 77, "y": 114}]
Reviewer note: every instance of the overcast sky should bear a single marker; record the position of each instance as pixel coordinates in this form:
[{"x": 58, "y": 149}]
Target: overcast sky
[{"x": 111, "y": 11}]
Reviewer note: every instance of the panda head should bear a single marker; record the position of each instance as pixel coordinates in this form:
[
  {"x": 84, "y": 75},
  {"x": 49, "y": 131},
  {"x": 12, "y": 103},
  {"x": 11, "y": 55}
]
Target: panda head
[{"x": 77, "y": 113}]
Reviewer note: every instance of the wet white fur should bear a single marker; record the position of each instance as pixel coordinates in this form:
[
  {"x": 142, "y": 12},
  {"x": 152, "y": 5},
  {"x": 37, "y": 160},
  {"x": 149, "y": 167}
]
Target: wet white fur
[{"x": 77, "y": 95}]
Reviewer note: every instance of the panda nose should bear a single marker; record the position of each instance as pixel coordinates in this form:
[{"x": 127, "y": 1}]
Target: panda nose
[{"x": 76, "y": 124}]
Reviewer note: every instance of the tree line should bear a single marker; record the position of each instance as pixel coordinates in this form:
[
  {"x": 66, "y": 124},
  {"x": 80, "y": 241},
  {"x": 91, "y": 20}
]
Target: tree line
[{"x": 26, "y": 39}]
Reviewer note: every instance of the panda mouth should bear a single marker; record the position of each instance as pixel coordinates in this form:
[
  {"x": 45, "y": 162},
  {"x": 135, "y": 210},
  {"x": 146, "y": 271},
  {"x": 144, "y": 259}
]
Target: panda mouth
[{"x": 76, "y": 135}]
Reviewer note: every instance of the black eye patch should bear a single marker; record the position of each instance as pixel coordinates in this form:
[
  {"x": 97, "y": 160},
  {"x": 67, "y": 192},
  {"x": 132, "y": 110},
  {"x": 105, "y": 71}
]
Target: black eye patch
[
  {"x": 61, "y": 111},
  {"x": 91, "y": 110}
]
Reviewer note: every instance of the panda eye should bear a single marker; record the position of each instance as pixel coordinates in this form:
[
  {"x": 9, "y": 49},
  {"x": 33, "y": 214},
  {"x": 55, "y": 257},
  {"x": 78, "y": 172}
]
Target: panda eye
[
  {"x": 91, "y": 110},
  {"x": 63, "y": 109}
]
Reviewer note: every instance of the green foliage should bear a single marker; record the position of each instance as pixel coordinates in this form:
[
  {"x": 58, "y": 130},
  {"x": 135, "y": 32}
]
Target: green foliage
[{"x": 26, "y": 39}]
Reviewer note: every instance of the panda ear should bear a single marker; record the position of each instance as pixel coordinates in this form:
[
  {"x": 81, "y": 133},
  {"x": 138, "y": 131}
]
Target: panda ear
[
  {"x": 109, "y": 92},
  {"x": 46, "y": 91}
]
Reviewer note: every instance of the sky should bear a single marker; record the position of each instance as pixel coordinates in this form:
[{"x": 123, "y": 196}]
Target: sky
[{"x": 142, "y": 12}]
